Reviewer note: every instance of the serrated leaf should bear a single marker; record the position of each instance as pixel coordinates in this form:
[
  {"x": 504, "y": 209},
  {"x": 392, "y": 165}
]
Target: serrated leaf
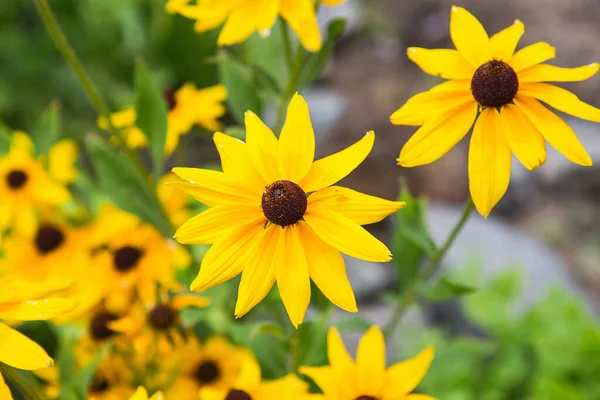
[
  {"x": 151, "y": 112},
  {"x": 315, "y": 63},
  {"x": 241, "y": 93},
  {"x": 444, "y": 289}
]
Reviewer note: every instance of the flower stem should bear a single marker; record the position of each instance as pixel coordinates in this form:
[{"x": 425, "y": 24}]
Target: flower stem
[
  {"x": 407, "y": 296},
  {"x": 292, "y": 87},
  {"x": 287, "y": 45},
  {"x": 90, "y": 89},
  {"x": 24, "y": 382},
  {"x": 295, "y": 350}
]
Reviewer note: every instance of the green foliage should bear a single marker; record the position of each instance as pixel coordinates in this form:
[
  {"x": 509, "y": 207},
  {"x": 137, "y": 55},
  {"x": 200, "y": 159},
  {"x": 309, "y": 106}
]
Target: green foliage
[
  {"x": 48, "y": 128},
  {"x": 241, "y": 93},
  {"x": 444, "y": 289}
]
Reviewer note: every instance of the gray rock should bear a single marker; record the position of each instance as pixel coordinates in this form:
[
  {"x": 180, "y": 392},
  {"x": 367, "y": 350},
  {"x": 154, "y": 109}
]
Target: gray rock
[{"x": 351, "y": 11}]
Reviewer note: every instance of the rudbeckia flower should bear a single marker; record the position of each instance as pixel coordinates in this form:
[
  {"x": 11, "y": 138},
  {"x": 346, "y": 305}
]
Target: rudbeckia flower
[
  {"x": 173, "y": 200},
  {"x": 24, "y": 302},
  {"x": 501, "y": 92},
  {"x": 112, "y": 380},
  {"x": 243, "y": 17},
  {"x": 187, "y": 106},
  {"x": 142, "y": 394},
  {"x": 27, "y": 185},
  {"x": 275, "y": 215},
  {"x": 367, "y": 378}
]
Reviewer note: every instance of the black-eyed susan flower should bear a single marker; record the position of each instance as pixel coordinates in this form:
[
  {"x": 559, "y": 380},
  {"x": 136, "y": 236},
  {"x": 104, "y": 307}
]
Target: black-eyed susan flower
[
  {"x": 368, "y": 378},
  {"x": 188, "y": 106},
  {"x": 21, "y": 301},
  {"x": 142, "y": 394},
  {"x": 215, "y": 364},
  {"x": 486, "y": 77},
  {"x": 175, "y": 201},
  {"x": 113, "y": 379},
  {"x": 275, "y": 217},
  {"x": 241, "y": 18},
  {"x": 27, "y": 186}
]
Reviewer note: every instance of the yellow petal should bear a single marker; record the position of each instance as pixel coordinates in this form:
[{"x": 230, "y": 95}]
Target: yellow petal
[
  {"x": 213, "y": 187},
  {"x": 552, "y": 73},
  {"x": 489, "y": 162},
  {"x": 291, "y": 271},
  {"x": 18, "y": 351},
  {"x": 61, "y": 160},
  {"x": 140, "y": 394},
  {"x": 523, "y": 137},
  {"x": 445, "y": 63},
  {"x": 158, "y": 396},
  {"x": 38, "y": 309},
  {"x": 554, "y": 129},
  {"x": 301, "y": 16},
  {"x": 297, "y": 141},
  {"x": 331, "y": 382},
  {"x": 418, "y": 396},
  {"x": 327, "y": 269},
  {"x": 262, "y": 145},
  {"x": 347, "y": 236},
  {"x": 21, "y": 142},
  {"x": 332, "y": 3},
  {"x": 267, "y": 14},
  {"x": 425, "y": 106},
  {"x": 331, "y": 169},
  {"x": 370, "y": 359},
  {"x": 225, "y": 259},
  {"x": 531, "y": 55},
  {"x": 505, "y": 42},
  {"x": 259, "y": 276},
  {"x": 14, "y": 291},
  {"x": 402, "y": 378},
  {"x": 182, "y": 301},
  {"x": 174, "y": 6},
  {"x": 240, "y": 24},
  {"x": 236, "y": 161},
  {"x": 337, "y": 353},
  {"x": 469, "y": 37},
  {"x": 213, "y": 224},
  {"x": 4, "y": 390},
  {"x": 561, "y": 99},
  {"x": 359, "y": 207},
  {"x": 434, "y": 139},
  {"x": 51, "y": 192}
]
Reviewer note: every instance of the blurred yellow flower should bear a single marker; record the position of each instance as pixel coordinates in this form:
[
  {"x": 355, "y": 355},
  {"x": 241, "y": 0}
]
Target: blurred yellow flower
[
  {"x": 243, "y": 17},
  {"x": 488, "y": 79},
  {"x": 112, "y": 380},
  {"x": 175, "y": 201},
  {"x": 26, "y": 186},
  {"x": 142, "y": 394},
  {"x": 263, "y": 224},
  {"x": 367, "y": 378},
  {"x": 20, "y": 301},
  {"x": 187, "y": 106}
]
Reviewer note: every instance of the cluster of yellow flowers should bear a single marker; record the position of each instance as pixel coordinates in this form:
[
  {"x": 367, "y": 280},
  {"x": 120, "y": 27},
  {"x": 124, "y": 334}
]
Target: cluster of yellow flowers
[{"x": 275, "y": 216}]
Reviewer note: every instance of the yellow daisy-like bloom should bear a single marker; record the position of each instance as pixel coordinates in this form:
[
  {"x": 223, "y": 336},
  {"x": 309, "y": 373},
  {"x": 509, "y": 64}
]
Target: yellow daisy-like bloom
[
  {"x": 142, "y": 394},
  {"x": 112, "y": 380},
  {"x": 215, "y": 364},
  {"x": 187, "y": 106},
  {"x": 276, "y": 217},
  {"x": 26, "y": 185},
  {"x": 175, "y": 201},
  {"x": 367, "y": 378},
  {"x": 21, "y": 301},
  {"x": 243, "y": 17},
  {"x": 487, "y": 76}
]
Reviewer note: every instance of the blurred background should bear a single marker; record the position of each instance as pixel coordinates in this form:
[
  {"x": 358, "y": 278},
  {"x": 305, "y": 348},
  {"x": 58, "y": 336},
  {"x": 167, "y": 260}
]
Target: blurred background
[{"x": 529, "y": 331}]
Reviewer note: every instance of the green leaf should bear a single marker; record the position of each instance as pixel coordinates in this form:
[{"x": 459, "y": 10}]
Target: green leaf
[
  {"x": 313, "y": 343},
  {"x": 151, "y": 112},
  {"x": 48, "y": 129},
  {"x": 315, "y": 63},
  {"x": 236, "y": 131},
  {"x": 411, "y": 240},
  {"x": 241, "y": 93},
  {"x": 267, "y": 328},
  {"x": 444, "y": 289},
  {"x": 267, "y": 55},
  {"x": 79, "y": 383},
  {"x": 352, "y": 324},
  {"x": 124, "y": 186}
]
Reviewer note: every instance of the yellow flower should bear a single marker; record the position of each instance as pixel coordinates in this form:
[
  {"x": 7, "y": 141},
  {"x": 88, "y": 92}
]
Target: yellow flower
[
  {"x": 187, "y": 107},
  {"x": 243, "y": 17},
  {"x": 26, "y": 186},
  {"x": 25, "y": 302},
  {"x": 486, "y": 75},
  {"x": 249, "y": 386},
  {"x": 175, "y": 201},
  {"x": 367, "y": 378},
  {"x": 112, "y": 380},
  {"x": 142, "y": 394},
  {"x": 215, "y": 364},
  {"x": 263, "y": 224}
]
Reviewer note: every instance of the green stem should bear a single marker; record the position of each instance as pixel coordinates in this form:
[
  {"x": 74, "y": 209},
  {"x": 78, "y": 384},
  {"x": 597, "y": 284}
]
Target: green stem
[
  {"x": 408, "y": 295},
  {"x": 295, "y": 71},
  {"x": 287, "y": 45},
  {"x": 295, "y": 350},
  {"x": 90, "y": 89},
  {"x": 24, "y": 382}
]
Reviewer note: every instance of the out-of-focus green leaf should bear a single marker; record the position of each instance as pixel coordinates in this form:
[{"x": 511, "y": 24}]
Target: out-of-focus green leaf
[
  {"x": 354, "y": 323},
  {"x": 241, "y": 93},
  {"x": 444, "y": 289},
  {"x": 411, "y": 239},
  {"x": 48, "y": 128},
  {"x": 80, "y": 383},
  {"x": 272, "y": 355},
  {"x": 313, "y": 343},
  {"x": 122, "y": 183},
  {"x": 266, "y": 328},
  {"x": 315, "y": 63},
  {"x": 151, "y": 112},
  {"x": 267, "y": 55},
  {"x": 236, "y": 131}
]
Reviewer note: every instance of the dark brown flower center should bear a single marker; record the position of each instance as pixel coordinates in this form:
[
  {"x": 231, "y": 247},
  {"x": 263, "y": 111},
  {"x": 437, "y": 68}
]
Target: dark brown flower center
[
  {"x": 169, "y": 96},
  {"x": 48, "y": 238},
  {"x": 207, "y": 372},
  {"x": 99, "y": 329},
  {"x": 235, "y": 394},
  {"x": 127, "y": 258},
  {"x": 365, "y": 398},
  {"x": 16, "y": 179},
  {"x": 99, "y": 384},
  {"x": 162, "y": 317},
  {"x": 494, "y": 84},
  {"x": 284, "y": 203}
]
